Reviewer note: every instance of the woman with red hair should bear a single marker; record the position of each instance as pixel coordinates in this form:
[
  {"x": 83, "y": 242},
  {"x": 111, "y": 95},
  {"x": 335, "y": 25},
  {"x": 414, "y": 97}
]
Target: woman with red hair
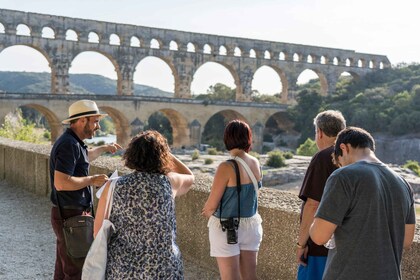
[{"x": 235, "y": 230}]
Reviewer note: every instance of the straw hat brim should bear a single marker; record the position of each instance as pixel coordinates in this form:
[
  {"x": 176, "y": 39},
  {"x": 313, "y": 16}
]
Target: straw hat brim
[{"x": 67, "y": 121}]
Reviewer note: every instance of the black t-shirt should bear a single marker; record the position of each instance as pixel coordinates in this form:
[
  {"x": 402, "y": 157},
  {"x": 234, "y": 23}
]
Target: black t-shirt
[
  {"x": 70, "y": 156},
  {"x": 313, "y": 185}
]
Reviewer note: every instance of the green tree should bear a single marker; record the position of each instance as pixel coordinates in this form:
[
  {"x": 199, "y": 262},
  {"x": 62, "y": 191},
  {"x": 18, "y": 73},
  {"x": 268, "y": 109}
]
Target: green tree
[
  {"x": 308, "y": 148},
  {"x": 218, "y": 92}
]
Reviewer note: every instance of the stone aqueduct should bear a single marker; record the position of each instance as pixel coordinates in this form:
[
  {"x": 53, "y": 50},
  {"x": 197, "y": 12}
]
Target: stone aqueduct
[{"x": 184, "y": 52}]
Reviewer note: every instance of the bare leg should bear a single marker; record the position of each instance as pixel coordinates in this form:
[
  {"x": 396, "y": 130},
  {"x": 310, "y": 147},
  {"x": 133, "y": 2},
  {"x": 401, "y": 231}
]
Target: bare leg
[
  {"x": 229, "y": 268},
  {"x": 248, "y": 265}
]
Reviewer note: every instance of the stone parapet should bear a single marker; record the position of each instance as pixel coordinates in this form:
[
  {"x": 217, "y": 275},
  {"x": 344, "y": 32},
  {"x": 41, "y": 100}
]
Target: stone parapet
[{"x": 26, "y": 165}]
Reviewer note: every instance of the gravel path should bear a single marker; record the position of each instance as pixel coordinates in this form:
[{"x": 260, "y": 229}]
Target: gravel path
[{"x": 27, "y": 242}]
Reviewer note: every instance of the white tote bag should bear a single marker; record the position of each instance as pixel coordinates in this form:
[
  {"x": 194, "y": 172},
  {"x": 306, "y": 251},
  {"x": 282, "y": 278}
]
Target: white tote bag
[{"x": 95, "y": 263}]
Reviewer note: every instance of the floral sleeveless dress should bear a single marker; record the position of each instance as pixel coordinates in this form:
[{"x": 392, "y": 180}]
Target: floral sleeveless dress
[{"x": 143, "y": 243}]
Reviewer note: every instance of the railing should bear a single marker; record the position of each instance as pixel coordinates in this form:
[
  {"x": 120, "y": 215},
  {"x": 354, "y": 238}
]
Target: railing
[{"x": 26, "y": 165}]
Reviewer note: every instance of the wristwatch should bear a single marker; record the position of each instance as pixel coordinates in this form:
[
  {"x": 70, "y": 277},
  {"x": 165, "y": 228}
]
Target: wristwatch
[{"x": 301, "y": 246}]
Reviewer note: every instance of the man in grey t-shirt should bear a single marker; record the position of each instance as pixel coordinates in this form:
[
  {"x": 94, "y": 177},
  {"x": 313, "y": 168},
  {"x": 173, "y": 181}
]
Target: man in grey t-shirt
[{"x": 368, "y": 208}]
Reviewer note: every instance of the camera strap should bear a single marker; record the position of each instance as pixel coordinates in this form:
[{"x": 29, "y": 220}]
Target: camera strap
[{"x": 238, "y": 189}]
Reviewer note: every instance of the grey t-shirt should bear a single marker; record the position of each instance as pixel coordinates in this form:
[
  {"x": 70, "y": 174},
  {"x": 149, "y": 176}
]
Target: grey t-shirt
[{"x": 370, "y": 204}]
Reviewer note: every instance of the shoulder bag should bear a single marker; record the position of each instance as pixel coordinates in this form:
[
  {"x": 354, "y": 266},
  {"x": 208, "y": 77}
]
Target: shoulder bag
[
  {"x": 96, "y": 259},
  {"x": 78, "y": 233}
]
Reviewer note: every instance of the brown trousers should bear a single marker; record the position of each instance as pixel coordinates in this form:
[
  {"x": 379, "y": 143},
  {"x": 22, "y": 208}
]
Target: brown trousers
[{"x": 66, "y": 268}]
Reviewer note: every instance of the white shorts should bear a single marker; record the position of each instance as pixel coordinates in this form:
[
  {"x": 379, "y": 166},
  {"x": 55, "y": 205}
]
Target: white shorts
[{"x": 249, "y": 237}]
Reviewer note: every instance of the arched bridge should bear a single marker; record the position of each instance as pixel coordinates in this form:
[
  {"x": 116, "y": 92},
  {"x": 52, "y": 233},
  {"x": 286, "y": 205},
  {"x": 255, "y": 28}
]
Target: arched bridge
[
  {"x": 129, "y": 113},
  {"x": 184, "y": 52}
]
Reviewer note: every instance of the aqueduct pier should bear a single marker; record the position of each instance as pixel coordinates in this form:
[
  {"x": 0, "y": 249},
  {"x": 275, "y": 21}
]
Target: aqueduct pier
[{"x": 60, "y": 39}]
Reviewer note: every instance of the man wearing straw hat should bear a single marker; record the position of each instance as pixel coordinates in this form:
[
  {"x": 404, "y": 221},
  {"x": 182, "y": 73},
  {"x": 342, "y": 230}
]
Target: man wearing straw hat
[{"x": 70, "y": 179}]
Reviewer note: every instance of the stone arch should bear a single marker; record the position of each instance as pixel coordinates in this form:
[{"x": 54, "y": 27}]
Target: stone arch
[
  {"x": 52, "y": 119},
  {"x": 220, "y": 118},
  {"x": 44, "y": 54},
  {"x": 114, "y": 39},
  {"x": 336, "y": 61},
  {"x": 323, "y": 59},
  {"x": 279, "y": 128},
  {"x": 191, "y": 47},
  {"x": 283, "y": 81},
  {"x": 208, "y": 48},
  {"x": 23, "y": 30},
  {"x": 2, "y": 29},
  {"x": 167, "y": 62},
  {"x": 173, "y": 45},
  {"x": 282, "y": 56},
  {"x": 267, "y": 54},
  {"x": 93, "y": 37},
  {"x": 122, "y": 125},
  {"x": 237, "y": 52},
  {"x": 322, "y": 79},
  {"x": 135, "y": 42},
  {"x": 180, "y": 128},
  {"x": 231, "y": 70},
  {"x": 72, "y": 35},
  {"x": 48, "y": 32},
  {"x": 223, "y": 50},
  {"x": 155, "y": 44},
  {"x": 111, "y": 59},
  {"x": 252, "y": 53}
]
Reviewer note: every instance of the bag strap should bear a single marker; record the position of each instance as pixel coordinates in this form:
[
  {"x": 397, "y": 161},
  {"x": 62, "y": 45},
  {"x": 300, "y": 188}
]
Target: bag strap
[
  {"x": 238, "y": 189},
  {"x": 250, "y": 173},
  {"x": 110, "y": 198}
]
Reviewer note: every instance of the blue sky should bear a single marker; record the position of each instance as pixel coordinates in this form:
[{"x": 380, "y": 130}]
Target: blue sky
[{"x": 369, "y": 26}]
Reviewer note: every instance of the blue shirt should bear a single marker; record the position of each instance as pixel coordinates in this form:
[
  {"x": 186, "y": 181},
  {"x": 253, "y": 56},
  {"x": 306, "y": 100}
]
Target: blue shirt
[
  {"x": 69, "y": 155},
  {"x": 249, "y": 202}
]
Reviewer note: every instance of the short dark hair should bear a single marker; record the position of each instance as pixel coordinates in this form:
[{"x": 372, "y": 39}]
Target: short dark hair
[
  {"x": 238, "y": 135},
  {"x": 331, "y": 122},
  {"x": 149, "y": 152},
  {"x": 355, "y": 136}
]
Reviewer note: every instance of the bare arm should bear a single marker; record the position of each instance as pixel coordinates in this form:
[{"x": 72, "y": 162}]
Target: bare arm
[
  {"x": 181, "y": 177},
  {"x": 409, "y": 235},
  {"x": 95, "y": 152},
  {"x": 308, "y": 214},
  {"x": 220, "y": 181},
  {"x": 321, "y": 231},
  {"x": 65, "y": 182},
  {"x": 100, "y": 211}
]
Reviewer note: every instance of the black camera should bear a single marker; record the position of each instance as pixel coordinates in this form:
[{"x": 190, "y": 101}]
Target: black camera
[{"x": 231, "y": 225}]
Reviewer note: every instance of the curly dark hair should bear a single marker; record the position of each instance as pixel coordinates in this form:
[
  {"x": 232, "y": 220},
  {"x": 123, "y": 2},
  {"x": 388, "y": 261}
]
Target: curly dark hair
[{"x": 148, "y": 152}]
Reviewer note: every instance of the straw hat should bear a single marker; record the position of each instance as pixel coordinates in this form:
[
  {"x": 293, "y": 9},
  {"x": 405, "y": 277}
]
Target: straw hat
[{"x": 83, "y": 108}]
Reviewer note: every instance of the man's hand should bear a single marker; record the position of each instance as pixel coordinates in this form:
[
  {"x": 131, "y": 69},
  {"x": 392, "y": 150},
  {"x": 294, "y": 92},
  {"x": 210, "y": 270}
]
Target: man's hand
[
  {"x": 113, "y": 147},
  {"x": 98, "y": 180},
  {"x": 302, "y": 256}
]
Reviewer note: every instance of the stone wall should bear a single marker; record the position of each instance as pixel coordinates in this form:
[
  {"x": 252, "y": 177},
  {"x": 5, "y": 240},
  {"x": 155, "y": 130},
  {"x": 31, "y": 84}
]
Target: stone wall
[{"x": 26, "y": 165}]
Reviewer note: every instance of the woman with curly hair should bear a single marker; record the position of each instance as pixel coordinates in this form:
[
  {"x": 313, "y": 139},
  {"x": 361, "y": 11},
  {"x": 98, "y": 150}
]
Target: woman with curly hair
[{"x": 143, "y": 246}]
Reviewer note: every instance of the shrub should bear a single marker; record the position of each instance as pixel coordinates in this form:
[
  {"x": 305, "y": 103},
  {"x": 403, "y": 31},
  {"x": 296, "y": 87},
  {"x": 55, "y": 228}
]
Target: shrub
[
  {"x": 255, "y": 154},
  {"x": 308, "y": 148},
  {"x": 266, "y": 149},
  {"x": 47, "y": 135},
  {"x": 288, "y": 155},
  {"x": 212, "y": 151},
  {"x": 195, "y": 154},
  {"x": 276, "y": 159},
  {"x": 208, "y": 161},
  {"x": 413, "y": 165}
]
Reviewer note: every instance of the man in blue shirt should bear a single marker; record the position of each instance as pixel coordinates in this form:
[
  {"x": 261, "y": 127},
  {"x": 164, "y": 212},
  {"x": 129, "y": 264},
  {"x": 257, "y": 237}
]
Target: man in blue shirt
[{"x": 70, "y": 180}]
